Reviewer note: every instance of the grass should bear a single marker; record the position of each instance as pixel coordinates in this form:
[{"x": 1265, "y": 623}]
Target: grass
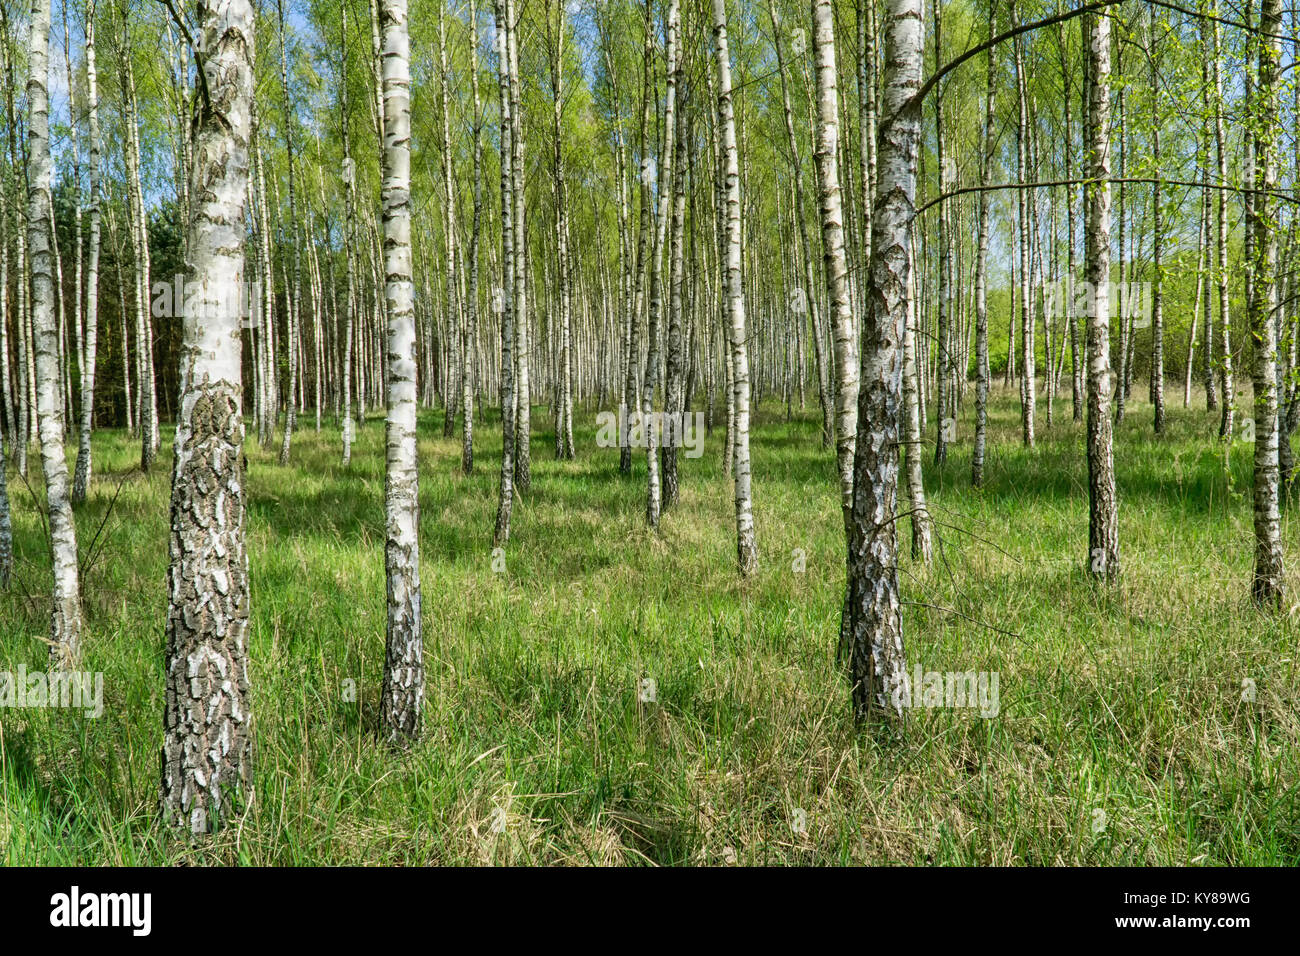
[{"x": 538, "y": 749}]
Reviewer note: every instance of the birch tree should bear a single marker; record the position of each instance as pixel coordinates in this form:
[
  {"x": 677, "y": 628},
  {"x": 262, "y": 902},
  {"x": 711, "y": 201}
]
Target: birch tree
[
  {"x": 1267, "y": 586},
  {"x": 1103, "y": 511},
  {"x": 6, "y": 521},
  {"x": 65, "y": 620},
  {"x": 734, "y": 295},
  {"x": 350, "y": 229},
  {"x": 90, "y": 346},
  {"x": 664, "y": 201},
  {"x": 877, "y": 660},
  {"x": 1227, "y": 388},
  {"x": 207, "y": 732},
  {"x": 523, "y": 388},
  {"x": 403, "y": 691},
  {"x": 470, "y": 331},
  {"x": 564, "y": 405},
  {"x": 293, "y": 305},
  {"x": 504, "y": 296},
  {"x": 825, "y": 154},
  {"x": 987, "y": 147}
]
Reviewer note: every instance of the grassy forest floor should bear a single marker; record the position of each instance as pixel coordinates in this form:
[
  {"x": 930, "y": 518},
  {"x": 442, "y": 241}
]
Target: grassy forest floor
[{"x": 1124, "y": 735}]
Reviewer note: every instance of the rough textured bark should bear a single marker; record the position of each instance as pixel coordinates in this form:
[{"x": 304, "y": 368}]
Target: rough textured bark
[
  {"x": 1103, "y": 512},
  {"x": 207, "y": 740},
  {"x": 877, "y": 662},
  {"x": 403, "y": 691},
  {"x": 65, "y": 619},
  {"x": 1268, "y": 585},
  {"x": 734, "y": 294}
]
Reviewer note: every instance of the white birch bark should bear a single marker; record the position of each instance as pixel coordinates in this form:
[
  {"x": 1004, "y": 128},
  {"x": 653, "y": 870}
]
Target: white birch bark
[
  {"x": 1268, "y": 584},
  {"x": 470, "y": 332},
  {"x": 350, "y": 214},
  {"x": 826, "y": 155},
  {"x": 84, "y": 455},
  {"x": 503, "y": 298},
  {"x": 664, "y": 177},
  {"x": 1103, "y": 514},
  {"x": 65, "y": 619},
  {"x": 207, "y": 736},
  {"x": 403, "y": 691},
  {"x": 523, "y": 393},
  {"x": 734, "y": 293},
  {"x": 293, "y": 305},
  {"x": 982, "y": 374},
  {"x": 877, "y": 662}
]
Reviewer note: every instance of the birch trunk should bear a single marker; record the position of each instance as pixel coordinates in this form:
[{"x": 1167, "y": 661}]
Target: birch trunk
[
  {"x": 922, "y": 545},
  {"x": 523, "y": 393},
  {"x": 350, "y": 213},
  {"x": 1103, "y": 514},
  {"x": 564, "y": 406},
  {"x": 292, "y": 309},
  {"x": 1227, "y": 388},
  {"x": 503, "y": 298},
  {"x": 1027, "y": 353},
  {"x": 746, "y": 549},
  {"x": 1157, "y": 249},
  {"x": 207, "y": 734},
  {"x": 470, "y": 332},
  {"x": 454, "y": 314},
  {"x": 674, "y": 394},
  {"x": 1268, "y": 585},
  {"x": 987, "y": 148},
  {"x": 403, "y": 691},
  {"x": 65, "y": 619},
  {"x": 664, "y": 180},
  {"x": 826, "y": 153},
  {"x": 946, "y": 371},
  {"x": 84, "y": 460},
  {"x": 877, "y": 662}
]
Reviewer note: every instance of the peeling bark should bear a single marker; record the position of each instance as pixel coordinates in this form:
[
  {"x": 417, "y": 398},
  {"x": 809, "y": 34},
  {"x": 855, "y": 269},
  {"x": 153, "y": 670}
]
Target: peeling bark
[
  {"x": 207, "y": 740},
  {"x": 877, "y": 662}
]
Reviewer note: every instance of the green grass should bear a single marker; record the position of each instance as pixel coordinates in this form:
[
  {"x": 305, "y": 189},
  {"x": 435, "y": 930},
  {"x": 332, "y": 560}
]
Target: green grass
[{"x": 1127, "y": 701}]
